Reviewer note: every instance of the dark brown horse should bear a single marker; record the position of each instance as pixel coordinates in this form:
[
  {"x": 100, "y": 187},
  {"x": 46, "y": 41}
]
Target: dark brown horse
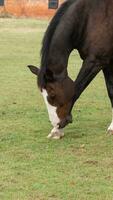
[{"x": 85, "y": 25}]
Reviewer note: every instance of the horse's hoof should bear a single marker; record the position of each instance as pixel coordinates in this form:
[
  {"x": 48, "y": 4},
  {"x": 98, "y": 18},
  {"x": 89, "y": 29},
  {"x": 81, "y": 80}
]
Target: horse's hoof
[
  {"x": 56, "y": 137},
  {"x": 56, "y": 134},
  {"x": 49, "y": 136},
  {"x": 110, "y": 131}
]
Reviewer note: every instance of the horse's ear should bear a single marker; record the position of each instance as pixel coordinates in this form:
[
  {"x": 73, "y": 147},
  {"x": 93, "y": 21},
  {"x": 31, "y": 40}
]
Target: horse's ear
[{"x": 35, "y": 70}]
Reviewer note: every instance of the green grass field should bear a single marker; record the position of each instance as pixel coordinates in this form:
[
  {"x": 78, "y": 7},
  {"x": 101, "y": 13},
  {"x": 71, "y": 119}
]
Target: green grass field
[{"x": 78, "y": 167}]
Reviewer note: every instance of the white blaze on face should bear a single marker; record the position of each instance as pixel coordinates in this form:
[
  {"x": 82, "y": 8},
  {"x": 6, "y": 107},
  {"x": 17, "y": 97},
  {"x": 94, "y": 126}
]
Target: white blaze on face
[{"x": 51, "y": 110}]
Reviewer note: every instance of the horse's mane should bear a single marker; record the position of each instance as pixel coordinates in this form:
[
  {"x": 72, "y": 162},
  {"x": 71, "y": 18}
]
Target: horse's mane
[{"x": 46, "y": 42}]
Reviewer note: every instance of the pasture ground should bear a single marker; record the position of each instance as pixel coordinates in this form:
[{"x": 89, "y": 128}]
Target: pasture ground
[{"x": 77, "y": 167}]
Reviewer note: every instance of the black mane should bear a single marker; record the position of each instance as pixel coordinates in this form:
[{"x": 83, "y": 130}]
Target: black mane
[{"x": 48, "y": 38}]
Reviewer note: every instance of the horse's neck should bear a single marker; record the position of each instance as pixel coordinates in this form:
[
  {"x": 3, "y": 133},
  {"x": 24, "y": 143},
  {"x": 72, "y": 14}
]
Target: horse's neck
[
  {"x": 65, "y": 38},
  {"x": 60, "y": 49},
  {"x": 58, "y": 57}
]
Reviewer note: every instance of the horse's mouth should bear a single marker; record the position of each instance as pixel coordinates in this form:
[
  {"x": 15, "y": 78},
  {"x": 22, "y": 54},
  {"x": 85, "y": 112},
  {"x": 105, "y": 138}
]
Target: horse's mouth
[{"x": 64, "y": 122}]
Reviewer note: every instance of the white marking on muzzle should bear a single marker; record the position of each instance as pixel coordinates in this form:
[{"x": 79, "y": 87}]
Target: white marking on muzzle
[{"x": 51, "y": 110}]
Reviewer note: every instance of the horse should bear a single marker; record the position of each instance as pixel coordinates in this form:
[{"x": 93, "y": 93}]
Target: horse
[{"x": 86, "y": 26}]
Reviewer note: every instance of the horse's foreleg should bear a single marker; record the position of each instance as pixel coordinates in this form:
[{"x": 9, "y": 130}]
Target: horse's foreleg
[
  {"x": 89, "y": 70},
  {"x": 108, "y": 74}
]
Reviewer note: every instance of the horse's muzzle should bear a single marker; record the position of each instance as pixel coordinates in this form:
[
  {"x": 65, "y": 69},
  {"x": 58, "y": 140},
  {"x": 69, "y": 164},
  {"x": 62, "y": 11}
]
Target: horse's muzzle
[{"x": 65, "y": 122}]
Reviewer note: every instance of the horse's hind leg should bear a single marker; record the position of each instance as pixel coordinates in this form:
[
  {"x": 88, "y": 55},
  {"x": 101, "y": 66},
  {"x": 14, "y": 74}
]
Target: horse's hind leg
[{"x": 108, "y": 74}]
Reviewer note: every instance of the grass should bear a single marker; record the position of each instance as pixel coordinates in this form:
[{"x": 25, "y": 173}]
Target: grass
[{"x": 78, "y": 167}]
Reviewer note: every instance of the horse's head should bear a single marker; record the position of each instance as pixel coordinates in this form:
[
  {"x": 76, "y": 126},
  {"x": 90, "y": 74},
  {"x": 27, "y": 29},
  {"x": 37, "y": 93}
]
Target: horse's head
[{"x": 58, "y": 96}]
